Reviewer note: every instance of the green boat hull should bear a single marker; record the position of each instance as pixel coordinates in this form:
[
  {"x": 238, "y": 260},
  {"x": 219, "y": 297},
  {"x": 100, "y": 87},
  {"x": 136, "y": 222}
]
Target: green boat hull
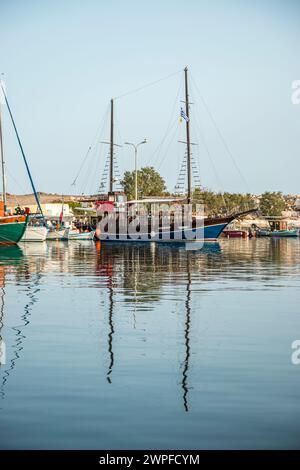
[{"x": 11, "y": 233}]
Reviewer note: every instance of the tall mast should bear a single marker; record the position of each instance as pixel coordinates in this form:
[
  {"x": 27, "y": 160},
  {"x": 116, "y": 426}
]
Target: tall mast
[
  {"x": 22, "y": 151},
  {"x": 111, "y": 166},
  {"x": 188, "y": 142},
  {"x": 2, "y": 163}
]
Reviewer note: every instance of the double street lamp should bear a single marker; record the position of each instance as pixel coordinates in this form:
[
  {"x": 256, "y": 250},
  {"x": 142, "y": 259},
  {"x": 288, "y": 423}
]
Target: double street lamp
[{"x": 135, "y": 146}]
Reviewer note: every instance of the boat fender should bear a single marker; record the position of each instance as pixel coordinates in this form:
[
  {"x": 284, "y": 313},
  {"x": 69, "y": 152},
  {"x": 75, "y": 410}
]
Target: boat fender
[{"x": 98, "y": 232}]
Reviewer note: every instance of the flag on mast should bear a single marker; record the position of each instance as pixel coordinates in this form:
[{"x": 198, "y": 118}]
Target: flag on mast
[{"x": 183, "y": 115}]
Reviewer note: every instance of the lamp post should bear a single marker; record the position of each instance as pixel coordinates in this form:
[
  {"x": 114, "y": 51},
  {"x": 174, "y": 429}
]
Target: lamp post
[{"x": 135, "y": 146}]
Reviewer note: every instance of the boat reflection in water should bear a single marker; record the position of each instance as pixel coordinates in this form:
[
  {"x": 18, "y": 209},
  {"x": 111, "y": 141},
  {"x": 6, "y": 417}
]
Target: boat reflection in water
[
  {"x": 140, "y": 270},
  {"x": 187, "y": 339},
  {"x": 30, "y": 263},
  {"x": 13, "y": 261},
  {"x": 119, "y": 335},
  {"x": 132, "y": 280},
  {"x": 9, "y": 258},
  {"x": 134, "y": 283},
  {"x": 143, "y": 269}
]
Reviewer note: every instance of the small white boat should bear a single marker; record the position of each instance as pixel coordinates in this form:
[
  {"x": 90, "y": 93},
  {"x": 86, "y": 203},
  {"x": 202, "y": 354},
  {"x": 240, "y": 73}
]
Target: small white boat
[
  {"x": 76, "y": 235},
  {"x": 58, "y": 234},
  {"x": 34, "y": 234}
]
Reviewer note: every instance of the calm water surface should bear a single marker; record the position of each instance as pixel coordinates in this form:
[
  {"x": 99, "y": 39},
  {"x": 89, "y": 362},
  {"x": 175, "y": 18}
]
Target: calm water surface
[{"x": 150, "y": 346}]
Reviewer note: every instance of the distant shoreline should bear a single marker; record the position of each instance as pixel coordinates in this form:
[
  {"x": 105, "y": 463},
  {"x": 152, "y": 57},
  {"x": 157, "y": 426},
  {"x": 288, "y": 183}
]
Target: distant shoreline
[{"x": 45, "y": 198}]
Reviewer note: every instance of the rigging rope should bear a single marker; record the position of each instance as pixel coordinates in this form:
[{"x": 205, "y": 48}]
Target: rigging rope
[
  {"x": 17, "y": 183},
  {"x": 136, "y": 90},
  {"x": 169, "y": 126},
  {"x": 221, "y": 135},
  {"x": 204, "y": 143},
  {"x": 98, "y": 132},
  {"x": 22, "y": 151},
  {"x": 170, "y": 141}
]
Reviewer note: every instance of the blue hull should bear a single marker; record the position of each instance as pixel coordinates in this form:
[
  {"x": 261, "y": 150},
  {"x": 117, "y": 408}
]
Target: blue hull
[{"x": 211, "y": 232}]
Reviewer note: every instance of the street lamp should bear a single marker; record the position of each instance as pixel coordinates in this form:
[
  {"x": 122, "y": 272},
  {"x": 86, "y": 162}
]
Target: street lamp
[{"x": 135, "y": 146}]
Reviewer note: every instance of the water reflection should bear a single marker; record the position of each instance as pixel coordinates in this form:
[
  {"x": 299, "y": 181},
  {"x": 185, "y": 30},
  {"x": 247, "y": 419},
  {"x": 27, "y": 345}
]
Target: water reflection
[
  {"x": 157, "y": 262},
  {"x": 2, "y": 304},
  {"x": 136, "y": 277},
  {"x": 110, "y": 334},
  {"x": 104, "y": 268},
  {"x": 9, "y": 258},
  {"x": 13, "y": 261},
  {"x": 187, "y": 338}
]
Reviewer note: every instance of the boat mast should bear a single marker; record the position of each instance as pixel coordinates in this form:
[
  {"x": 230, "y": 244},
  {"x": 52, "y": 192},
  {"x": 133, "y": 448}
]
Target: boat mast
[
  {"x": 188, "y": 142},
  {"x": 2, "y": 163},
  {"x": 111, "y": 166},
  {"x": 22, "y": 152}
]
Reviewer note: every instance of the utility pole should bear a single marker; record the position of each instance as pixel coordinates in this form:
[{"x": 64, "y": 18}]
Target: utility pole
[
  {"x": 136, "y": 146},
  {"x": 135, "y": 174},
  {"x": 188, "y": 143}
]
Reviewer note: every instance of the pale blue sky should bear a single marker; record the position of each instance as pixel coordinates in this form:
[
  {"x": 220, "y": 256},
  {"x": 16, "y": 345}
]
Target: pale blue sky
[{"x": 64, "y": 60}]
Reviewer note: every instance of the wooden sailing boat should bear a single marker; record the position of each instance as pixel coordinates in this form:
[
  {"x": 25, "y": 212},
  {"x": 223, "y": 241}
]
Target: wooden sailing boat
[
  {"x": 212, "y": 226},
  {"x": 12, "y": 227}
]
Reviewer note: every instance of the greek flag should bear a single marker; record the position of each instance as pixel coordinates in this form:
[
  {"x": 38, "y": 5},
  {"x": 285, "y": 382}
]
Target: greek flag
[{"x": 183, "y": 115}]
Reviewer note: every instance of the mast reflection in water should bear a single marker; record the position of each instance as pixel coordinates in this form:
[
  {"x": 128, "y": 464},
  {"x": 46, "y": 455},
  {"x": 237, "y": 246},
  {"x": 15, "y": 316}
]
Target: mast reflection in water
[
  {"x": 187, "y": 339},
  {"x": 15, "y": 257},
  {"x": 106, "y": 345}
]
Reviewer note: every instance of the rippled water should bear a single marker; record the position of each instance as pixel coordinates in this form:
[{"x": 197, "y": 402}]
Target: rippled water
[{"x": 150, "y": 346}]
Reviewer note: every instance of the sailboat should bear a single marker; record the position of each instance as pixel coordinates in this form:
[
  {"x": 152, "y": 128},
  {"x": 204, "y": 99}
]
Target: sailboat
[
  {"x": 35, "y": 231},
  {"x": 212, "y": 226},
  {"x": 13, "y": 227},
  {"x": 57, "y": 228}
]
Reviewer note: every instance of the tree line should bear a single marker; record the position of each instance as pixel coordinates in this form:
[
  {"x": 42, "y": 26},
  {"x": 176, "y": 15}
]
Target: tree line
[{"x": 151, "y": 183}]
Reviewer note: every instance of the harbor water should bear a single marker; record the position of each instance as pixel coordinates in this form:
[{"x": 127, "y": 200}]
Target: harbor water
[{"x": 123, "y": 346}]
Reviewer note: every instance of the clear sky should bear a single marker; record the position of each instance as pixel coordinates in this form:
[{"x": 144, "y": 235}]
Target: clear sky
[{"x": 64, "y": 60}]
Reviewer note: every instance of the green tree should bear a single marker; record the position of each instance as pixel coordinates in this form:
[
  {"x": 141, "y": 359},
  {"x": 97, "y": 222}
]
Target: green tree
[
  {"x": 213, "y": 202},
  {"x": 237, "y": 202},
  {"x": 149, "y": 182},
  {"x": 73, "y": 205},
  {"x": 218, "y": 203},
  {"x": 272, "y": 203}
]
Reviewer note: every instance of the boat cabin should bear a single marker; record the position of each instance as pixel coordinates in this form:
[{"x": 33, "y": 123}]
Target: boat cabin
[{"x": 278, "y": 223}]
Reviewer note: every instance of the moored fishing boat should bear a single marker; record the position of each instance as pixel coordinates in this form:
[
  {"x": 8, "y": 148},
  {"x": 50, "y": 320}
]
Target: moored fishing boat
[
  {"x": 234, "y": 233},
  {"x": 58, "y": 233},
  {"x": 277, "y": 233},
  {"x": 34, "y": 234},
  {"x": 58, "y": 226},
  {"x": 12, "y": 228},
  {"x": 77, "y": 235},
  {"x": 36, "y": 231}
]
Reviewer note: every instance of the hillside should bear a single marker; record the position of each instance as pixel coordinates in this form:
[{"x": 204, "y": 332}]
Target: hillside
[{"x": 45, "y": 198}]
